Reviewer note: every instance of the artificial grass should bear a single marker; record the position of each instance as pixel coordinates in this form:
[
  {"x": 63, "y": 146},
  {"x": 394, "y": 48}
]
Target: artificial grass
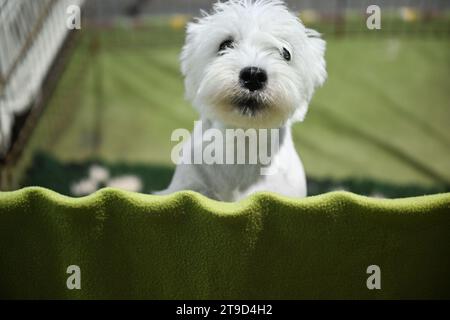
[{"x": 185, "y": 246}]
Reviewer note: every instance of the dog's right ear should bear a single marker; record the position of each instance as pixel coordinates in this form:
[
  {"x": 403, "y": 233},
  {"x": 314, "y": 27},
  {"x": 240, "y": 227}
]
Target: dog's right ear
[
  {"x": 193, "y": 43},
  {"x": 190, "y": 56},
  {"x": 189, "y": 47}
]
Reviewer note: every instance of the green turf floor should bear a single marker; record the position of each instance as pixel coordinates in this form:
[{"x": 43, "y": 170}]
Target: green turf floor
[{"x": 382, "y": 118}]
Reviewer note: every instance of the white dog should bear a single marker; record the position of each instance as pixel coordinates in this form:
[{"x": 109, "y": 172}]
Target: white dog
[{"x": 249, "y": 64}]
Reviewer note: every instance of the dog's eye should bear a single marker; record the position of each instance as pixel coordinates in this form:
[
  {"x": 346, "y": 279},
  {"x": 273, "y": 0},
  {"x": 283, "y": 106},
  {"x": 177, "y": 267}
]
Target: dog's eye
[
  {"x": 286, "y": 54},
  {"x": 227, "y": 44}
]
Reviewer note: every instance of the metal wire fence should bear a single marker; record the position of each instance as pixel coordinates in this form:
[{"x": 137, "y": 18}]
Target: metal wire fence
[{"x": 31, "y": 34}]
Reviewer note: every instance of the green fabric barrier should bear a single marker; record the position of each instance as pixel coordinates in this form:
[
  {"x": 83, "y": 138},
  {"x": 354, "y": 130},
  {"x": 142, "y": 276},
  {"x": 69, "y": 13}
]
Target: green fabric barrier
[{"x": 185, "y": 246}]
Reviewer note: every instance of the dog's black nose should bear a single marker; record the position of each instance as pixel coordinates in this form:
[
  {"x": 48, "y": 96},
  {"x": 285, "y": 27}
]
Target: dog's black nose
[{"x": 253, "y": 78}]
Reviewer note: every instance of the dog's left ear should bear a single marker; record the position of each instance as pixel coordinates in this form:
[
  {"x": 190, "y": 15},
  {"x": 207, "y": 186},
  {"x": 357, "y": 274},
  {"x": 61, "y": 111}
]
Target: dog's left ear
[
  {"x": 316, "y": 68},
  {"x": 318, "y": 46}
]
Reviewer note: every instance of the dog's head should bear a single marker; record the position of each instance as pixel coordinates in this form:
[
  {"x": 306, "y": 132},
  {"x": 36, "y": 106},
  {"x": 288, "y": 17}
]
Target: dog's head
[{"x": 252, "y": 64}]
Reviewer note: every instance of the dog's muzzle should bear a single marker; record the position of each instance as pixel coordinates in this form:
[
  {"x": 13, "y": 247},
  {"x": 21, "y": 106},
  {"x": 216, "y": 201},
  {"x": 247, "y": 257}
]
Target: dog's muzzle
[
  {"x": 249, "y": 105},
  {"x": 250, "y": 101}
]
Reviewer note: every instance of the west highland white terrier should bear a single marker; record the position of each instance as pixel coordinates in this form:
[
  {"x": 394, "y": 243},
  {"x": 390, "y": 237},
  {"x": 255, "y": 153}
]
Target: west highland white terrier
[{"x": 249, "y": 65}]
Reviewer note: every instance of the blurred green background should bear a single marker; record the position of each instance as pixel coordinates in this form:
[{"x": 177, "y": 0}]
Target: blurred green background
[{"x": 379, "y": 126}]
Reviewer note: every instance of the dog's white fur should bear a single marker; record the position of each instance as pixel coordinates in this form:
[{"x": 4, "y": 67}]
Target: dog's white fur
[{"x": 260, "y": 30}]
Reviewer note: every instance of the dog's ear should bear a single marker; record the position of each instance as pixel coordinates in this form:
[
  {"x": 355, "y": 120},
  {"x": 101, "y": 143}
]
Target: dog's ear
[
  {"x": 190, "y": 51},
  {"x": 190, "y": 45},
  {"x": 315, "y": 61},
  {"x": 318, "y": 46}
]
